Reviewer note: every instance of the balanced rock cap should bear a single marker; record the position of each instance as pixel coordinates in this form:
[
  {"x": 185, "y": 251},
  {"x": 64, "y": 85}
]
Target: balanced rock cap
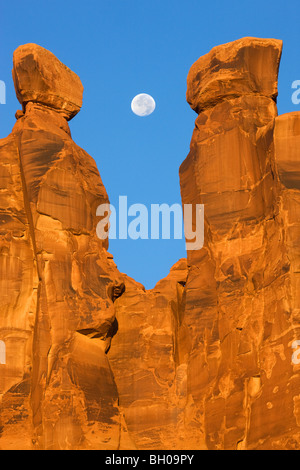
[
  {"x": 245, "y": 66},
  {"x": 40, "y": 77}
]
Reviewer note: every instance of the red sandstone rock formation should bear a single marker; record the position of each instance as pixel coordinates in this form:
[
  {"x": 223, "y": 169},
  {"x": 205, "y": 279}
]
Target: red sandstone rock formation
[
  {"x": 203, "y": 360},
  {"x": 40, "y": 77}
]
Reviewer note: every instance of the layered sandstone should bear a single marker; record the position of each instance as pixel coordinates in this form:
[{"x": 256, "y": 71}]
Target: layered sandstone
[{"x": 203, "y": 360}]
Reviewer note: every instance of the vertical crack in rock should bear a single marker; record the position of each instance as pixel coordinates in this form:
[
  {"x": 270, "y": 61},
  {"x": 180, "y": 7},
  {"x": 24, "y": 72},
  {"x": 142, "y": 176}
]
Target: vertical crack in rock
[{"x": 37, "y": 288}]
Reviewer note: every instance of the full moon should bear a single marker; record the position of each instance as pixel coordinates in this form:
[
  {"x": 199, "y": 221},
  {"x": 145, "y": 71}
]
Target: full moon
[{"x": 143, "y": 105}]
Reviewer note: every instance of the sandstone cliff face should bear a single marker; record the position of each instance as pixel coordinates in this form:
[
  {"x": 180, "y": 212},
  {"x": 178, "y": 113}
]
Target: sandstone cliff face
[
  {"x": 241, "y": 295},
  {"x": 203, "y": 360}
]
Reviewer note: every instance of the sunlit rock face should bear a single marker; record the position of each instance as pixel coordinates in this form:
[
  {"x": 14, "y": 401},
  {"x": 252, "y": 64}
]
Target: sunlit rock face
[
  {"x": 91, "y": 360},
  {"x": 242, "y": 293}
]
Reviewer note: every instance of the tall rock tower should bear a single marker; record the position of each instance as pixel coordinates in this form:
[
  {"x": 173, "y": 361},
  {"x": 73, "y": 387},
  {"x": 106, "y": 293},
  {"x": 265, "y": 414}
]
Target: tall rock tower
[{"x": 242, "y": 293}]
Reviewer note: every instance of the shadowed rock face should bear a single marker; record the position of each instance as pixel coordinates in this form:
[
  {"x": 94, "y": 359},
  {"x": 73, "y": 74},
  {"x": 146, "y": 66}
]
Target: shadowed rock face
[{"x": 203, "y": 360}]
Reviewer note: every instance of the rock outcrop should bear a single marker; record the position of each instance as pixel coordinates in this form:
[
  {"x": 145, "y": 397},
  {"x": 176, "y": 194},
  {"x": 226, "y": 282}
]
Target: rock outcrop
[
  {"x": 40, "y": 77},
  {"x": 91, "y": 360}
]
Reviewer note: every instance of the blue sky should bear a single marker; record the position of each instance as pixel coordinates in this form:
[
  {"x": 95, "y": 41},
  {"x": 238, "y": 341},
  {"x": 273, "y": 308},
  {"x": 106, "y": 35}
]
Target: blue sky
[{"x": 120, "y": 48}]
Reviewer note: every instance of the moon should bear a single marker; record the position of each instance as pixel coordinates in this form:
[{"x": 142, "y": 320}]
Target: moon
[{"x": 143, "y": 105}]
